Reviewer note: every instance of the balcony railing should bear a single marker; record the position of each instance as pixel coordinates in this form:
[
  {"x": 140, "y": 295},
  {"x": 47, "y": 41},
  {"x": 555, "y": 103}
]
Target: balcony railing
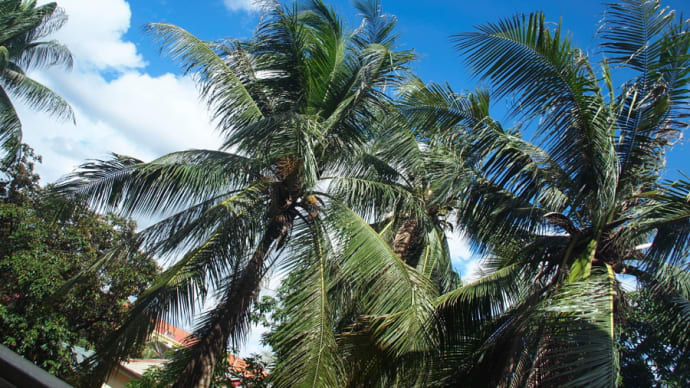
[{"x": 16, "y": 371}]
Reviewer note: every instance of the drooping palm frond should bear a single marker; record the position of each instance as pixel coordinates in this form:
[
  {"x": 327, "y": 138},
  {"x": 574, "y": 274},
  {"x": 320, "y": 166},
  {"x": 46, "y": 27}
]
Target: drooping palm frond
[
  {"x": 175, "y": 296},
  {"x": 483, "y": 300},
  {"x": 387, "y": 286},
  {"x": 669, "y": 286},
  {"x": 35, "y": 95},
  {"x": 48, "y": 53},
  {"x": 23, "y": 24},
  {"x": 170, "y": 182},
  {"x": 11, "y": 133},
  {"x": 667, "y": 216},
  {"x": 579, "y": 345},
  {"x": 307, "y": 337}
]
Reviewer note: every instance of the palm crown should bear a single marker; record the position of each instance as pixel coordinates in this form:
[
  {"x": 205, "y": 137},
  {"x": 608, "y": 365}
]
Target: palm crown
[
  {"x": 561, "y": 217},
  {"x": 293, "y": 104},
  {"x": 390, "y": 341},
  {"x": 23, "y": 25}
]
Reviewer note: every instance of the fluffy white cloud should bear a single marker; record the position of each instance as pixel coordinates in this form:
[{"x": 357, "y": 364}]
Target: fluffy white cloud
[
  {"x": 241, "y": 5},
  {"x": 93, "y": 34},
  {"x": 459, "y": 247},
  {"x": 131, "y": 113}
]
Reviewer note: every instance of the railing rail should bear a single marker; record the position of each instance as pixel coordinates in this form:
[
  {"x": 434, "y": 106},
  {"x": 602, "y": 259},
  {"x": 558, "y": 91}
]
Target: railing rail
[{"x": 16, "y": 371}]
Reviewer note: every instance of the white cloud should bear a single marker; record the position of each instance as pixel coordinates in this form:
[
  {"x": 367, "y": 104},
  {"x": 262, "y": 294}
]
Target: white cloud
[
  {"x": 472, "y": 270},
  {"x": 131, "y": 113},
  {"x": 242, "y": 5},
  {"x": 93, "y": 34},
  {"x": 459, "y": 247}
]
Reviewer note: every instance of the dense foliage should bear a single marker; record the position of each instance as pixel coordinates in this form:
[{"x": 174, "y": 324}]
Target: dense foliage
[
  {"x": 560, "y": 216},
  {"x": 351, "y": 192},
  {"x": 44, "y": 242},
  {"x": 295, "y": 105},
  {"x": 649, "y": 357}
]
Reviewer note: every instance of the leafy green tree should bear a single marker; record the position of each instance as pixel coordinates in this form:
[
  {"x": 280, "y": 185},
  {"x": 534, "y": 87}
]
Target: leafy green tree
[
  {"x": 649, "y": 358},
  {"x": 44, "y": 241},
  {"x": 23, "y": 26},
  {"x": 559, "y": 218},
  {"x": 293, "y": 103},
  {"x": 252, "y": 376}
]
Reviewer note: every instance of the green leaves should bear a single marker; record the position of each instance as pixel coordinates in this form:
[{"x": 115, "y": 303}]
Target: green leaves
[
  {"x": 386, "y": 286},
  {"x": 578, "y": 346},
  {"x": 631, "y": 30},
  {"x": 552, "y": 215},
  {"x": 228, "y": 98},
  {"x": 307, "y": 337},
  {"x": 22, "y": 24}
]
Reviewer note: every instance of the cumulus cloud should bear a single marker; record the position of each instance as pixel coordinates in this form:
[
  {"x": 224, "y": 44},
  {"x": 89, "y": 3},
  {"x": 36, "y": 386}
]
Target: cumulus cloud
[
  {"x": 459, "y": 247},
  {"x": 241, "y": 5},
  {"x": 131, "y": 112},
  {"x": 94, "y": 34}
]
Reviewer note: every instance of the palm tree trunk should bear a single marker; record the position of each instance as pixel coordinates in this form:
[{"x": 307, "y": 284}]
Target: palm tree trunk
[
  {"x": 230, "y": 314},
  {"x": 406, "y": 241}
]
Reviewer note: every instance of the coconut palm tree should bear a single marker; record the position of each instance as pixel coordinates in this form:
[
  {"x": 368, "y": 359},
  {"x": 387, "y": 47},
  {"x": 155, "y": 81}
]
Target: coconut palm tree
[
  {"x": 23, "y": 25},
  {"x": 562, "y": 219},
  {"x": 291, "y": 103},
  {"x": 387, "y": 183}
]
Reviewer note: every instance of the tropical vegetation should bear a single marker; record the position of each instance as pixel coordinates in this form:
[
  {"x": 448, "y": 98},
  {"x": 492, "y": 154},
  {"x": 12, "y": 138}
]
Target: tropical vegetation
[
  {"x": 344, "y": 172},
  {"x": 23, "y": 26},
  {"x": 294, "y": 105},
  {"x": 44, "y": 241},
  {"x": 561, "y": 217}
]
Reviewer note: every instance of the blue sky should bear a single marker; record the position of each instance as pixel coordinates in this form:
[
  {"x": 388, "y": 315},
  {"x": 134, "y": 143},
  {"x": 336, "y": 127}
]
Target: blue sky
[
  {"x": 130, "y": 100},
  {"x": 425, "y": 27}
]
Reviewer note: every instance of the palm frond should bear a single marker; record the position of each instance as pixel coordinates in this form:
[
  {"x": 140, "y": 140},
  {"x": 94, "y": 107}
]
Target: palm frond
[
  {"x": 178, "y": 179},
  {"x": 10, "y": 128},
  {"x": 398, "y": 298},
  {"x": 579, "y": 345},
  {"x": 49, "y": 53},
  {"x": 228, "y": 98},
  {"x": 307, "y": 336},
  {"x": 629, "y": 32},
  {"x": 555, "y": 82},
  {"x": 36, "y": 95}
]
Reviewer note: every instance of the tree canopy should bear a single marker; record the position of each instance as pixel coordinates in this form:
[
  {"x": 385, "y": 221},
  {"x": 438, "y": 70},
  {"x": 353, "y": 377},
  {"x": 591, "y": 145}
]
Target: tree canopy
[
  {"x": 44, "y": 242},
  {"x": 344, "y": 171}
]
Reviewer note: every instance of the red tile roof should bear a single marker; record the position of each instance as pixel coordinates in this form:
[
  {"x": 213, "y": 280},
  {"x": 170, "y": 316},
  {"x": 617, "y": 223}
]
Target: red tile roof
[
  {"x": 175, "y": 333},
  {"x": 180, "y": 336}
]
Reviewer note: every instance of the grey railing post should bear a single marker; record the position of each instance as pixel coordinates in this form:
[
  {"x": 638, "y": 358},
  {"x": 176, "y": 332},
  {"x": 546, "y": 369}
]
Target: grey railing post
[{"x": 17, "y": 371}]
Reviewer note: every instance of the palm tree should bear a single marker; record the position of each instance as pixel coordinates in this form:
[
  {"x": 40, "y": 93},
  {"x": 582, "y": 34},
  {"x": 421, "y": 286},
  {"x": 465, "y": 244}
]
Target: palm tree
[
  {"x": 291, "y": 103},
  {"x": 387, "y": 183},
  {"x": 22, "y": 26},
  {"x": 562, "y": 218}
]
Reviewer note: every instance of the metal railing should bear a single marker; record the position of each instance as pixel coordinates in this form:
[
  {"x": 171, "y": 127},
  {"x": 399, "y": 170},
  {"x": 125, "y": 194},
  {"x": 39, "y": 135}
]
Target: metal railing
[{"x": 16, "y": 371}]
